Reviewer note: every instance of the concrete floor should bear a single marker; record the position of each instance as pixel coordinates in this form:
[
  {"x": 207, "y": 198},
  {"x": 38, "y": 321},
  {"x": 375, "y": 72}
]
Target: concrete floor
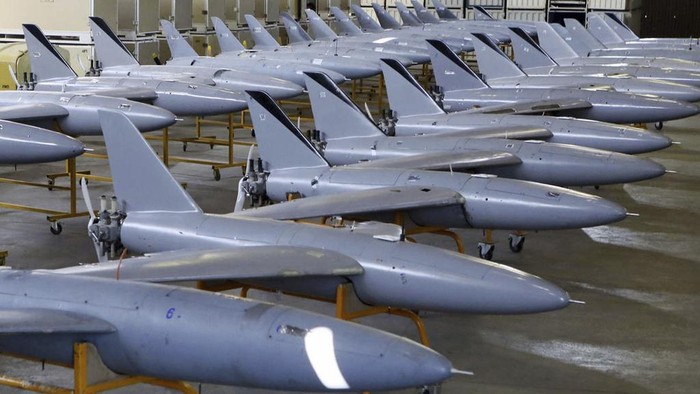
[{"x": 639, "y": 331}]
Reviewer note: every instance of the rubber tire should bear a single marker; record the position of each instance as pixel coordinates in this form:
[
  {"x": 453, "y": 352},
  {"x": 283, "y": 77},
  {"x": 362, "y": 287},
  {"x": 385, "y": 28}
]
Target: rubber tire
[
  {"x": 488, "y": 255},
  {"x": 57, "y": 230},
  {"x": 518, "y": 247}
]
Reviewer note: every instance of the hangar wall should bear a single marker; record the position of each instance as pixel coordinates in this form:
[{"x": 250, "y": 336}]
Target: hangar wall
[{"x": 677, "y": 18}]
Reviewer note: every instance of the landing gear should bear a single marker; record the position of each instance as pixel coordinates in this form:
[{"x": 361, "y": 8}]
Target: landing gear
[
  {"x": 516, "y": 242},
  {"x": 56, "y": 228},
  {"x": 217, "y": 174},
  {"x": 429, "y": 390},
  {"x": 659, "y": 125},
  {"x": 486, "y": 250},
  {"x": 486, "y": 246}
]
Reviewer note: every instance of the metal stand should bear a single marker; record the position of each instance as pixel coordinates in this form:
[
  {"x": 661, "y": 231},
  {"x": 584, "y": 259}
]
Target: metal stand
[
  {"x": 92, "y": 376},
  {"x": 372, "y": 89},
  {"x": 348, "y": 307},
  {"x": 53, "y": 216},
  {"x": 300, "y": 106},
  {"x": 399, "y": 220},
  {"x": 216, "y": 166},
  {"x": 438, "y": 231}
]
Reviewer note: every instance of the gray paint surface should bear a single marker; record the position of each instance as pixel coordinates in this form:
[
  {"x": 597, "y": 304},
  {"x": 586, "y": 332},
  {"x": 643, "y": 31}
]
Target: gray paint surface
[
  {"x": 183, "y": 334},
  {"x": 396, "y": 273}
]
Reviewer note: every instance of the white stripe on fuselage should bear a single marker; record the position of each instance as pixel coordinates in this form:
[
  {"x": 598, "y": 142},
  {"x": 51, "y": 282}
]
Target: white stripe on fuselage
[
  {"x": 384, "y": 40},
  {"x": 318, "y": 343}
]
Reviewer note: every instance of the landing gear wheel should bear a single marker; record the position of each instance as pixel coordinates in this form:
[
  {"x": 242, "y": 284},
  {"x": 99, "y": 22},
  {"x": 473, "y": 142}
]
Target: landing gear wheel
[
  {"x": 429, "y": 389},
  {"x": 51, "y": 183},
  {"x": 217, "y": 174},
  {"x": 211, "y": 146},
  {"x": 516, "y": 242},
  {"x": 184, "y": 146},
  {"x": 659, "y": 125},
  {"x": 56, "y": 228},
  {"x": 486, "y": 250}
]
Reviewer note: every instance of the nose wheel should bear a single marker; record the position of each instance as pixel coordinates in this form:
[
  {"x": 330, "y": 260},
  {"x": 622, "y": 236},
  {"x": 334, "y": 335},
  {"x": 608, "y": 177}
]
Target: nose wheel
[
  {"x": 56, "y": 228},
  {"x": 659, "y": 125},
  {"x": 486, "y": 246},
  {"x": 429, "y": 390},
  {"x": 486, "y": 250},
  {"x": 516, "y": 242}
]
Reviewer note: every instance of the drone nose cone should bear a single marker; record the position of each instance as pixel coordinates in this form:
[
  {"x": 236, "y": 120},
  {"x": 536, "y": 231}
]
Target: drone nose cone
[
  {"x": 239, "y": 81},
  {"x": 213, "y": 101},
  {"x": 688, "y": 109},
  {"x": 53, "y": 146},
  {"x": 458, "y": 283},
  {"x": 586, "y": 210},
  {"x": 671, "y": 109},
  {"x": 660, "y": 109},
  {"x": 635, "y": 141},
  {"x": 195, "y": 99},
  {"x": 677, "y": 91},
  {"x": 224, "y": 102},
  {"x": 664, "y": 89},
  {"x": 611, "y": 137},
  {"x": 420, "y": 57},
  {"x": 498, "y": 203},
  {"x": 70, "y": 147},
  {"x": 148, "y": 117},
  {"x": 627, "y": 168},
  {"x": 350, "y": 357},
  {"x": 359, "y": 70},
  {"x": 411, "y": 364},
  {"x": 654, "y": 142},
  {"x": 22, "y": 144},
  {"x": 525, "y": 293},
  {"x": 283, "y": 90}
]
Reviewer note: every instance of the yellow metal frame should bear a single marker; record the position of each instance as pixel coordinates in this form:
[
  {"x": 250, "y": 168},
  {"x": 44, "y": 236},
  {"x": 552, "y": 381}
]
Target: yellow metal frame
[
  {"x": 438, "y": 231},
  {"x": 399, "y": 221},
  {"x": 53, "y": 215},
  {"x": 216, "y": 166},
  {"x": 345, "y": 292},
  {"x": 85, "y": 359},
  {"x": 488, "y": 236},
  {"x": 373, "y": 88}
]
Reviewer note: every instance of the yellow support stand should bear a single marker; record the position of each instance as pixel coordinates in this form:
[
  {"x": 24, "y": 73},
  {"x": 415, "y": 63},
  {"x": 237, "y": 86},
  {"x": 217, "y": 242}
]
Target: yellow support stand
[
  {"x": 399, "y": 221},
  {"x": 488, "y": 236},
  {"x": 439, "y": 231},
  {"x": 216, "y": 166},
  {"x": 348, "y": 307},
  {"x": 91, "y": 376},
  {"x": 54, "y": 216},
  {"x": 300, "y": 107},
  {"x": 369, "y": 91}
]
